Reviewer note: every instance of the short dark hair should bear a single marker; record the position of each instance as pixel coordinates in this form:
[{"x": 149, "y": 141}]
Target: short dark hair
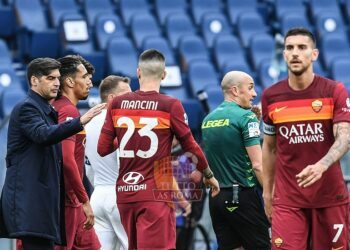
[
  {"x": 301, "y": 31},
  {"x": 41, "y": 67},
  {"x": 152, "y": 63},
  {"x": 152, "y": 54},
  {"x": 89, "y": 67},
  {"x": 69, "y": 67},
  {"x": 109, "y": 84}
]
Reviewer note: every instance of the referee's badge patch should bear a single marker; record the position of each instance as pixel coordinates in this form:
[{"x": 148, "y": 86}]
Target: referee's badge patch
[{"x": 253, "y": 129}]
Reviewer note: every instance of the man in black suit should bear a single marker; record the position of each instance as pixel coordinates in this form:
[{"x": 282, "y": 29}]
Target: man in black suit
[{"x": 32, "y": 201}]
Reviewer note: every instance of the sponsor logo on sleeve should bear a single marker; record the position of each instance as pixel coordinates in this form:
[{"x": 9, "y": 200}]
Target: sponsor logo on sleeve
[
  {"x": 253, "y": 129},
  {"x": 185, "y": 118},
  {"x": 347, "y": 108}
]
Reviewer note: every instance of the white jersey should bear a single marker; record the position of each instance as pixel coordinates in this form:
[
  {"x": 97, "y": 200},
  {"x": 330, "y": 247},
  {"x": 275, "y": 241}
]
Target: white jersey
[{"x": 105, "y": 169}]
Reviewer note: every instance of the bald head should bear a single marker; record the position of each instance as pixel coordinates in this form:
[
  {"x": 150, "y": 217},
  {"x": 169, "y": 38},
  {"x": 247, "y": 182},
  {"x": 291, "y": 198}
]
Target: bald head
[{"x": 234, "y": 78}]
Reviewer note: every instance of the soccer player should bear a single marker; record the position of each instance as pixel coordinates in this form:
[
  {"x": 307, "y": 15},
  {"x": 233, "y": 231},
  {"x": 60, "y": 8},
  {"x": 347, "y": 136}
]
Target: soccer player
[
  {"x": 75, "y": 86},
  {"x": 32, "y": 200},
  {"x": 108, "y": 226},
  {"x": 306, "y": 126},
  {"x": 142, "y": 124},
  {"x": 231, "y": 140}
]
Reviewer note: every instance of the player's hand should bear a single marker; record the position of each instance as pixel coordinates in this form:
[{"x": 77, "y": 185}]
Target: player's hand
[
  {"x": 257, "y": 111},
  {"x": 310, "y": 174},
  {"x": 91, "y": 113},
  {"x": 268, "y": 206},
  {"x": 187, "y": 207},
  {"x": 213, "y": 184},
  {"x": 90, "y": 220}
]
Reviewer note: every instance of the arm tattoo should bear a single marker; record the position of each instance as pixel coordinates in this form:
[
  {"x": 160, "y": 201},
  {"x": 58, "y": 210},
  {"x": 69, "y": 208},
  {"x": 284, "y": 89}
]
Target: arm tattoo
[{"x": 340, "y": 146}]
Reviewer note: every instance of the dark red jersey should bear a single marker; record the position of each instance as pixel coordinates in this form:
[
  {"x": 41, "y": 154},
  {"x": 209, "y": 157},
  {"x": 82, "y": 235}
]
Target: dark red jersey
[
  {"x": 73, "y": 155},
  {"x": 144, "y": 123},
  {"x": 302, "y": 122}
]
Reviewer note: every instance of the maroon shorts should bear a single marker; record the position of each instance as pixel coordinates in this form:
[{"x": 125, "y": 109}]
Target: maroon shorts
[
  {"x": 149, "y": 225},
  {"x": 325, "y": 228},
  {"x": 78, "y": 238}
]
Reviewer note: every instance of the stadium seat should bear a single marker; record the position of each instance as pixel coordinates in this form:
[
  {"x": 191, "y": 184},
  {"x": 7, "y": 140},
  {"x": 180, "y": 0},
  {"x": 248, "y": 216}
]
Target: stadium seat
[
  {"x": 176, "y": 26},
  {"x": 97, "y": 8},
  {"x": 236, "y": 65},
  {"x": 161, "y": 44},
  {"x": 228, "y": 49},
  {"x": 76, "y": 39},
  {"x": 236, "y": 7},
  {"x": 340, "y": 71},
  {"x": 201, "y": 7},
  {"x": 122, "y": 57},
  {"x": 8, "y": 77},
  {"x": 143, "y": 26},
  {"x": 7, "y": 21},
  {"x": 58, "y": 8},
  {"x": 165, "y": 7},
  {"x": 192, "y": 47},
  {"x": 333, "y": 46},
  {"x": 107, "y": 26},
  {"x": 248, "y": 25},
  {"x": 292, "y": 20},
  {"x": 269, "y": 73},
  {"x": 262, "y": 46},
  {"x": 317, "y": 6},
  {"x": 213, "y": 25},
  {"x": 201, "y": 74},
  {"x": 5, "y": 56},
  {"x": 284, "y": 7},
  {"x": 9, "y": 98},
  {"x": 130, "y": 8},
  {"x": 329, "y": 22},
  {"x": 180, "y": 92},
  {"x": 34, "y": 36},
  {"x": 318, "y": 69},
  {"x": 215, "y": 97},
  {"x": 195, "y": 115}
]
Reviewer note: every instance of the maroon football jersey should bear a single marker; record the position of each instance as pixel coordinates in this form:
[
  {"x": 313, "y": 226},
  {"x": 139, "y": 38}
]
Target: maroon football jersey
[
  {"x": 67, "y": 111},
  {"x": 144, "y": 124},
  {"x": 302, "y": 122}
]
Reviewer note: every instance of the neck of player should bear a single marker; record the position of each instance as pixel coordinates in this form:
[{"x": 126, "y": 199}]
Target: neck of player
[{"x": 300, "y": 82}]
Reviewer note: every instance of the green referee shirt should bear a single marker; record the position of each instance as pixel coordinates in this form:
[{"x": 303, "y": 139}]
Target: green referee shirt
[{"x": 226, "y": 131}]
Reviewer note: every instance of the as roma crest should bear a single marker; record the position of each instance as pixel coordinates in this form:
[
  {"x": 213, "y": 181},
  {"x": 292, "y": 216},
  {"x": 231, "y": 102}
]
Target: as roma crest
[{"x": 317, "y": 105}]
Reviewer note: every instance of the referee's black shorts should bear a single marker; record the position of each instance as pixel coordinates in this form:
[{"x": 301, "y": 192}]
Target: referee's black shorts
[{"x": 243, "y": 224}]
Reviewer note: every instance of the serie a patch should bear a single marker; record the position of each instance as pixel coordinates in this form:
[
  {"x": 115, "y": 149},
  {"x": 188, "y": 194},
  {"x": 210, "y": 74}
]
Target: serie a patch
[{"x": 253, "y": 129}]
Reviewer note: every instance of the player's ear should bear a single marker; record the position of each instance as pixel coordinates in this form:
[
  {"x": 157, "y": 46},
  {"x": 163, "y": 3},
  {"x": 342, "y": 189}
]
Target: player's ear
[
  {"x": 34, "y": 81},
  {"x": 164, "y": 75},
  {"x": 314, "y": 55},
  {"x": 70, "y": 82},
  {"x": 138, "y": 72}
]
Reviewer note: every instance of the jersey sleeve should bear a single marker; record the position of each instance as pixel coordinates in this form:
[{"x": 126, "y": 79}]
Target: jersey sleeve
[
  {"x": 106, "y": 141},
  {"x": 341, "y": 112},
  {"x": 67, "y": 113},
  {"x": 250, "y": 129},
  {"x": 179, "y": 125},
  {"x": 268, "y": 125}
]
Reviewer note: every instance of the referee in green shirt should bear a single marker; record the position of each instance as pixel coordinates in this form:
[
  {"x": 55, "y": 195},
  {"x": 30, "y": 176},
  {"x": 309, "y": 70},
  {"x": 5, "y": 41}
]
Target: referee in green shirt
[{"x": 231, "y": 139}]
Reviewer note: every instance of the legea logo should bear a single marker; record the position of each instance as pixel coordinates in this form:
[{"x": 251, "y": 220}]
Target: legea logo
[{"x": 133, "y": 178}]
